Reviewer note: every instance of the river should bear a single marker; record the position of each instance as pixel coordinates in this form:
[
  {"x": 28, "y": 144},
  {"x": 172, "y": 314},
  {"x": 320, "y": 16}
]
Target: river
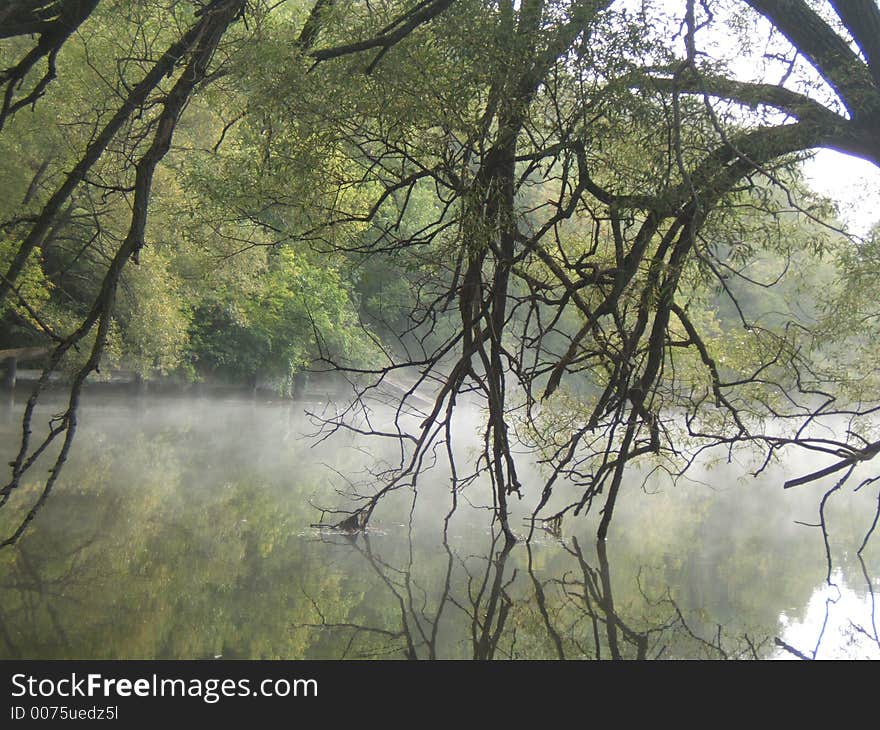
[{"x": 180, "y": 528}]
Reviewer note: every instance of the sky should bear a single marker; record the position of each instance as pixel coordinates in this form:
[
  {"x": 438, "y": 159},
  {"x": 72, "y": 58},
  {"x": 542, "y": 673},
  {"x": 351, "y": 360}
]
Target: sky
[
  {"x": 852, "y": 182},
  {"x": 751, "y": 56}
]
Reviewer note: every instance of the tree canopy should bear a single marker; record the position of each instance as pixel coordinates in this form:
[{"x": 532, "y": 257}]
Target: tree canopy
[{"x": 585, "y": 217}]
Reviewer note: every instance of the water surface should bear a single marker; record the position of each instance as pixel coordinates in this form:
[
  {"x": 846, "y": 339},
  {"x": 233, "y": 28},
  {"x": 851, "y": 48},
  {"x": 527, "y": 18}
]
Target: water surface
[{"x": 180, "y": 528}]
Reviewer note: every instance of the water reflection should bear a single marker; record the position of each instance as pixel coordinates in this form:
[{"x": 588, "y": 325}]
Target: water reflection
[
  {"x": 491, "y": 607},
  {"x": 180, "y": 529},
  {"x": 838, "y": 623},
  {"x": 480, "y": 612}
]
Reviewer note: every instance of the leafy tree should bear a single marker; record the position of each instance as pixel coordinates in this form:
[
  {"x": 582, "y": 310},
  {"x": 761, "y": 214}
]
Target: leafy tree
[{"x": 553, "y": 189}]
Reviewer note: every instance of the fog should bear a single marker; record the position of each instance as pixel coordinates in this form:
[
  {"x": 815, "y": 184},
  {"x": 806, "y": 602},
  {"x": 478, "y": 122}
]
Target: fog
[{"x": 182, "y": 527}]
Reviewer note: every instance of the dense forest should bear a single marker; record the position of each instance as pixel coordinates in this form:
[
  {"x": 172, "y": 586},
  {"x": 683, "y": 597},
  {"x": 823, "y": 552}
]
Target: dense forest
[{"x": 584, "y": 219}]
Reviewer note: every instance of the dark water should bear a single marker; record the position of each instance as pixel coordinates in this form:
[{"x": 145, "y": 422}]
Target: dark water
[{"x": 180, "y": 528}]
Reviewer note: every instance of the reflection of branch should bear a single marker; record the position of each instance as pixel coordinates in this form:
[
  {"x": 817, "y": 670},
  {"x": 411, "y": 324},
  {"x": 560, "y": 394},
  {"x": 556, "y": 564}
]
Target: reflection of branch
[
  {"x": 14, "y": 651},
  {"x": 790, "y": 649},
  {"x": 597, "y": 589},
  {"x": 486, "y": 640},
  {"x": 488, "y": 607},
  {"x": 876, "y": 516},
  {"x": 870, "y": 633},
  {"x": 542, "y": 606},
  {"x": 874, "y": 635},
  {"x": 39, "y": 593},
  {"x": 356, "y": 629}
]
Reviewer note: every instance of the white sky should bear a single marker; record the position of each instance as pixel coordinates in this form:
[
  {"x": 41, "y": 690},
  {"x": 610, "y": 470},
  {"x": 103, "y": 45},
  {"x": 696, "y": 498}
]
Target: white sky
[{"x": 853, "y": 183}]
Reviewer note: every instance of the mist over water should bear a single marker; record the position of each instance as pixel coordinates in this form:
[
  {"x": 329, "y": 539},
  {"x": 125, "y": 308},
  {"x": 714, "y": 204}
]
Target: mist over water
[{"x": 181, "y": 527}]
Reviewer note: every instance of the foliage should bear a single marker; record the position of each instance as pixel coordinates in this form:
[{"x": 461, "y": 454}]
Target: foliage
[
  {"x": 585, "y": 217},
  {"x": 297, "y": 310}
]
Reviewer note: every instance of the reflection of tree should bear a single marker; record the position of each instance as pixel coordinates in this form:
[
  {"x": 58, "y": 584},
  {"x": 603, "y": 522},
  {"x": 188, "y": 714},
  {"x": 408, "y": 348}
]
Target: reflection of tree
[
  {"x": 484, "y": 602},
  {"x": 497, "y": 613},
  {"x": 402, "y": 594},
  {"x": 857, "y": 635},
  {"x": 594, "y": 591},
  {"x": 39, "y": 591},
  {"x": 155, "y": 547},
  {"x": 871, "y": 632},
  {"x": 162, "y": 545},
  {"x": 663, "y": 631},
  {"x": 489, "y": 604},
  {"x": 541, "y": 602}
]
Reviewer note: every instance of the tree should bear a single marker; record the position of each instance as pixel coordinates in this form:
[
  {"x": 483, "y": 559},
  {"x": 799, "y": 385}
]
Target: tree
[
  {"x": 554, "y": 176},
  {"x": 200, "y": 42},
  {"x": 549, "y": 110}
]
